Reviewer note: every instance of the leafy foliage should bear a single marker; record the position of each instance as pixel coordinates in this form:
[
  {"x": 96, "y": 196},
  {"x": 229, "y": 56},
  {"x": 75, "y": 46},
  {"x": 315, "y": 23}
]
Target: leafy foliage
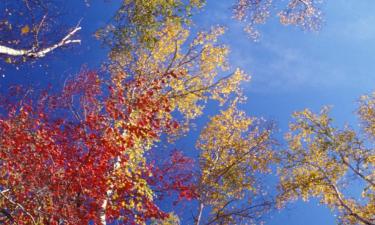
[
  {"x": 137, "y": 21},
  {"x": 89, "y": 146},
  {"x": 82, "y": 155},
  {"x": 322, "y": 160},
  {"x": 234, "y": 149},
  {"x": 304, "y": 13}
]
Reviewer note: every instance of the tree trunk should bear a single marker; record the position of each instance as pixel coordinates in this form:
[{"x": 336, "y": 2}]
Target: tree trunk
[{"x": 103, "y": 219}]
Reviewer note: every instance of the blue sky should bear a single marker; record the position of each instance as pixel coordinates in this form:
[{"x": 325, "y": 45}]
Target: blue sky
[{"x": 291, "y": 70}]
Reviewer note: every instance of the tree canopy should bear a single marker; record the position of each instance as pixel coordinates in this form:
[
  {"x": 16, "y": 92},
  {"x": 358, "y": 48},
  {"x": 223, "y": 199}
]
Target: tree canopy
[{"x": 89, "y": 152}]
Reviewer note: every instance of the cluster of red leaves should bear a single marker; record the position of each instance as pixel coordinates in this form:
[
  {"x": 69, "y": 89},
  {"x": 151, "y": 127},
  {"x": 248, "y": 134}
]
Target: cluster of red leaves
[
  {"x": 175, "y": 175},
  {"x": 57, "y": 151}
]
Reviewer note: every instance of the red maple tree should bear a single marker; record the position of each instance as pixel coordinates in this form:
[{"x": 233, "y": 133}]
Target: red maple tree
[{"x": 60, "y": 152}]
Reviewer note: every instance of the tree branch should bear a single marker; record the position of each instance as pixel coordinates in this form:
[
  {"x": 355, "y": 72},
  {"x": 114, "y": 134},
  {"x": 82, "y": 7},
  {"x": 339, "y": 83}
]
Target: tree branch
[
  {"x": 34, "y": 52},
  {"x": 17, "y": 205},
  {"x": 200, "y": 211},
  {"x": 351, "y": 212}
]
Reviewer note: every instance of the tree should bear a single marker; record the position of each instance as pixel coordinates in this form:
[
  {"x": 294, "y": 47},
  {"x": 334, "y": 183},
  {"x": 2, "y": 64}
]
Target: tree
[
  {"x": 28, "y": 30},
  {"x": 59, "y": 169},
  {"x": 94, "y": 149},
  {"x": 234, "y": 149},
  {"x": 79, "y": 156},
  {"x": 184, "y": 80},
  {"x": 303, "y": 13},
  {"x": 136, "y": 22},
  {"x": 322, "y": 161}
]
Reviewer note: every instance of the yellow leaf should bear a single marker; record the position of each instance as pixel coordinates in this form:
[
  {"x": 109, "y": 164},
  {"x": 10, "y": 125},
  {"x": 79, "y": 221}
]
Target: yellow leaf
[{"x": 25, "y": 30}]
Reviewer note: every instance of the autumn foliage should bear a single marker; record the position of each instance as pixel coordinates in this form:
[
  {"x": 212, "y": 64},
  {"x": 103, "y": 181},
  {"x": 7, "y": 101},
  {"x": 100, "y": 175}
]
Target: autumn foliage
[
  {"x": 87, "y": 153},
  {"x": 79, "y": 156},
  {"x": 60, "y": 158}
]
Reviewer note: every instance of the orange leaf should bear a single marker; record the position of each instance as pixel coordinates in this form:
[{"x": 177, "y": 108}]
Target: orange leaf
[{"x": 25, "y": 29}]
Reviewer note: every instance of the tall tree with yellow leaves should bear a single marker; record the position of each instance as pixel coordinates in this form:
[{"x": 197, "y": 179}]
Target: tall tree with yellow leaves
[
  {"x": 183, "y": 80},
  {"x": 234, "y": 150},
  {"x": 322, "y": 162}
]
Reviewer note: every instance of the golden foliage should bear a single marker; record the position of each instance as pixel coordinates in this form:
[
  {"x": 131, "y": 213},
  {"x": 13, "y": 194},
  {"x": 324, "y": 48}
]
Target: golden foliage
[
  {"x": 175, "y": 76},
  {"x": 322, "y": 160},
  {"x": 172, "y": 219},
  {"x": 234, "y": 148}
]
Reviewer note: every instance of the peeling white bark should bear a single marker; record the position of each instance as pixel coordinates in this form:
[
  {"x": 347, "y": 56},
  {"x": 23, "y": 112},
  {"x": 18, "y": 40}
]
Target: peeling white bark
[
  {"x": 39, "y": 53},
  {"x": 102, "y": 213},
  {"x": 103, "y": 209}
]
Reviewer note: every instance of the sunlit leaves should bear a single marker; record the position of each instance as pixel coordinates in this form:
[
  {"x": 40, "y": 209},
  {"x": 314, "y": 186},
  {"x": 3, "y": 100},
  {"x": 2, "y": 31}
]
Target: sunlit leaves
[
  {"x": 322, "y": 160},
  {"x": 159, "y": 82},
  {"x": 172, "y": 219},
  {"x": 187, "y": 78},
  {"x": 367, "y": 113},
  {"x": 81, "y": 155},
  {"x": 234, "y": 148}
]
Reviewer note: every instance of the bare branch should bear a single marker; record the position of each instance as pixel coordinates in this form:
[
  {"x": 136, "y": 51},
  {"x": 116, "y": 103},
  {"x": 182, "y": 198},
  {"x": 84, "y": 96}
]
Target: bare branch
[
  {"x": 17, "y": 205},
  {"x": 39, "y": 53}
]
